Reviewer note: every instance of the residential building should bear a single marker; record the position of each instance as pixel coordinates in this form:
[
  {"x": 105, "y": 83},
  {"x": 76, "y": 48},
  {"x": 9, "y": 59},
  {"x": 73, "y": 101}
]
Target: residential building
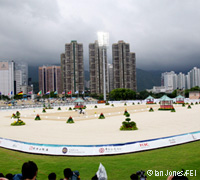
[
  {"x": 72, "y": 68},
  {"x": 50, "y": 79},
  {"x": 96, "y": 69},
  {"x": 21, "y": 77},
  {"x": 124, "y": 66},
  {"x": 7, "y": 77}
]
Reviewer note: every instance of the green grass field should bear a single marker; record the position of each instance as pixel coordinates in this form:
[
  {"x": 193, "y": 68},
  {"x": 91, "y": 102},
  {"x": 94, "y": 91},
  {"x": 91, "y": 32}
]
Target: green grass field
[{"x": 186, "y": 156}]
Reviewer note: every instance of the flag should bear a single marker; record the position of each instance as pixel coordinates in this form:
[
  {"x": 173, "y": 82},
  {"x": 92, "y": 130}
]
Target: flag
[
  {"x": 70, "y": 92},
  {"x": 55, "y": 92},
  {"x": 83, "y": 92},
  {"x": 0, "y": 93},
  {"x": 39, "y": 93},
  {"x": 101, "y": 173},
  {"x": 19, "y": 93},
  {"x": 12, "y": 92},
  {"x": 30, "y": 92},
  {"x": 48, "y": 92},
  {"x": 63, "y": 92},
  {"x": 76, "y": 92}
]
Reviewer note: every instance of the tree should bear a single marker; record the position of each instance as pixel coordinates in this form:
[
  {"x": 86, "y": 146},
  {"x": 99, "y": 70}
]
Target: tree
[{"x": 122, "y": 94}]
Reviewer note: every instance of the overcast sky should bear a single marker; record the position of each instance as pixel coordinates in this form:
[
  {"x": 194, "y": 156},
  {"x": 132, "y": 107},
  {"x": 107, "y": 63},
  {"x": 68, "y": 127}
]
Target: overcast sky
[{"x": 164, "y": 34}]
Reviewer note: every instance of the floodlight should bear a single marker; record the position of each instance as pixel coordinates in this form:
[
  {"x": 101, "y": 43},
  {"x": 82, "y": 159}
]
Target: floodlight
[{"x": 103, "y": 39}]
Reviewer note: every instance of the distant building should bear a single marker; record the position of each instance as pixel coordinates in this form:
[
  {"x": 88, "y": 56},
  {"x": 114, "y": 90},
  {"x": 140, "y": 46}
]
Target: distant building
[
  {"x": 174, "y": 81},
  {"x": 124, "y": 66},
  {"x": 7, "y": 77},
  {"x": 13, "y": 77},
  {"x": 21, "y": 77},
  {"x": 96, "y": 69},
  {"x": 72, "y": 68},
  {"x": 50, "y": 79}
]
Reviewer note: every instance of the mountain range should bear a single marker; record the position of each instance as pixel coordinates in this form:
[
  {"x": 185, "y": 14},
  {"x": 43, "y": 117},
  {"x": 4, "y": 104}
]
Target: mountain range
[{"x": 145, "y": 79}]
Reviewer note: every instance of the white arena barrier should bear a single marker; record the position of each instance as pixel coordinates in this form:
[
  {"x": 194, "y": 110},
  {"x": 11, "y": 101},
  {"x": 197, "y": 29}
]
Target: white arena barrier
[{"x": 99, "y": 150}]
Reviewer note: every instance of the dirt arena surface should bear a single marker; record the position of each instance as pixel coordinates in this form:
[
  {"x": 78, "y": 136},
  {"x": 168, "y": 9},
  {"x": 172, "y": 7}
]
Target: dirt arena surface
[{"x": 89, "y": 130}]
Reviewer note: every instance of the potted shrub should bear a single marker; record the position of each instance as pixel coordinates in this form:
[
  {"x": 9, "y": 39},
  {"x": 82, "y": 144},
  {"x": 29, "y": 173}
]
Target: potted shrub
[
  {"x": 19, "y": 122},
  {"x": 128, "y": 125},
  {"x": 125, "y": 112},
  {"x": 70, "y": 109},
  {"x": 95, "y": 106},
  {"x": 112, "y": 105},
  {"x": 101, "y": 116},
  {"x": 189, "y": 107},
  {"x": 70, "y": 120},
  {"x": 59, "y": 108},
  {"x": 37, "y": 117},
  {"x": 125, "y": 104},
  {"x": 173, "y": 110},
  {"x": 44, "y": 110},
  {"x": 151, "y": 109}
]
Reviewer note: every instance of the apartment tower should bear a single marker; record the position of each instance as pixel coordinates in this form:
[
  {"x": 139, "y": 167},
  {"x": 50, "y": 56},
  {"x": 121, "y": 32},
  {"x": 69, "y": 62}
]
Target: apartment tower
[
  {"x": 96, "y": 69},
  {"x": 50, "y": 79},
  {"x": 72, "y": 68},
  {"x": 124, "y": 66}
]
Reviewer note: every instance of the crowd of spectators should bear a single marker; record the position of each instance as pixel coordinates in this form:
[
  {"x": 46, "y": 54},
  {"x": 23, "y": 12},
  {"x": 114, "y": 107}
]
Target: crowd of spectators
[{"x": 29, "y": 172}]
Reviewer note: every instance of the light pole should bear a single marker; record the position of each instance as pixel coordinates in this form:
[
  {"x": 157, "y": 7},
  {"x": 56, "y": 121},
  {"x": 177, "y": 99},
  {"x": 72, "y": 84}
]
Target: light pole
[{"x": 103, "y": 41}]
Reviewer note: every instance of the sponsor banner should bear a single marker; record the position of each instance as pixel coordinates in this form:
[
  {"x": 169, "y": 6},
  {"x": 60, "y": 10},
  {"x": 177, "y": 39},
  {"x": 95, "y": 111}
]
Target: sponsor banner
[{"x": 98, "y": 150}]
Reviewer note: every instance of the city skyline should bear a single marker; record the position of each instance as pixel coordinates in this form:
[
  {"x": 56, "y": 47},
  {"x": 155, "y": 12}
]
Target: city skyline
[{"x": 164, "y": 35}]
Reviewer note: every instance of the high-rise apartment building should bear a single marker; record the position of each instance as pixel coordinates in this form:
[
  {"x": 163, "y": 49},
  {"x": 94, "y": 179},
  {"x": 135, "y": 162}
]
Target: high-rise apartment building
[
  {"x": 7, "y": 78},
  {"x": 174, "y": 81},
  {"x": 72, "y": 68},
  {"x": 50, "y": 79},
  {"x": 124, "y": 66},
  {"x": 96, "y": 69},
  {"x": 13, "y": 77},
  {"x": 21, "y": 77}
]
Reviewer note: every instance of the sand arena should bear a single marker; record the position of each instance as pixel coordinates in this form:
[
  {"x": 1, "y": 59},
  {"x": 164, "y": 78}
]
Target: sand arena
[{"x": 89, "y": 130}]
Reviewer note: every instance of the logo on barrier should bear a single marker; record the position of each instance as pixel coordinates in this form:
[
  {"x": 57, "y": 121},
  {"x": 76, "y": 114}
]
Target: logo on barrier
[
  {"x": 172, "y": 141},
  {"x": 101, "y": 150},
  {"x": 32, "y": 148},
  {"x": 110, "y": 149},
  {"x": 144, "y": 145},
  {"x": 64, "y": 150}
]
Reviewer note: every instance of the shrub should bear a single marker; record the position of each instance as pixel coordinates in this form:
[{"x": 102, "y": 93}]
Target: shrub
[
  {"x": 189, "y": 107},
  {"x": 127, "y": 115},
  {"x": 59, "y": 108},
  {"x": 138, "y": 103},
  {"x": 173, "y": 110},
  {"x": 112, "y": 105},
  {"x": 192, "y": 103},
  {"x": 19, "y": 122},
  {"x": 101, "y": 116},
  {"x": 95, "y": 106},
  {"x": 196, "y": 103},
  {"x": 44, "y": 110},
  {"x": 37, "y": 117},
  {"x": 128, "y": 125},
  {"x": 151, "y": 109},
  {"x": 133, "y": 103},
  {"x": 70, "y": 109},
  {"x": 125, "y": 104},
  {"x": 107, "y": 103},
  {"x": 183, "y": 105},
  {"x": 125, "y": 112},
  {"x": 70, "y": 120}
]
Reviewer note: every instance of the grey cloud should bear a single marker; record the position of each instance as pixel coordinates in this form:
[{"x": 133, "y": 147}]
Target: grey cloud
[{"x": 163, "y": 34}]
